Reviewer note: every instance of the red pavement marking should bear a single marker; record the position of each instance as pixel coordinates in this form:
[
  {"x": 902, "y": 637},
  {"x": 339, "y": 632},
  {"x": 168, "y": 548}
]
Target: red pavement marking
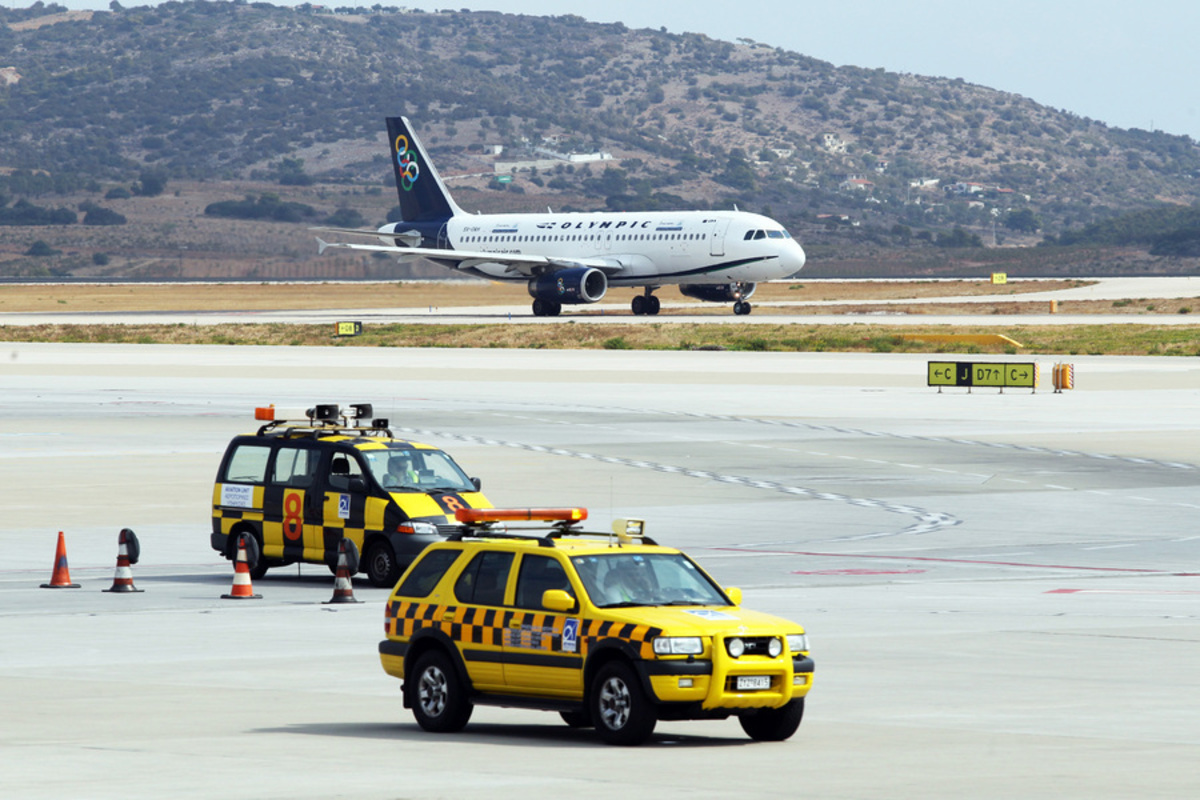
[
  {"x": 930, "y": 559},
  {"x": 859, "y": 572}
]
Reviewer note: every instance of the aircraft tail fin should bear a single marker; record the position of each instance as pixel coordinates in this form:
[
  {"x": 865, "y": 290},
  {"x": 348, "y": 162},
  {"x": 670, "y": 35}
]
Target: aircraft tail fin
[{"x": 423, "y": 196}]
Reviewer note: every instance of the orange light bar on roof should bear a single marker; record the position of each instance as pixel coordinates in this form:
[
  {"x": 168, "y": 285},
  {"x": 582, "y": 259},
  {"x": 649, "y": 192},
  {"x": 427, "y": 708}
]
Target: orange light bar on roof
[
  {"x": 265, "y": 413},
  {"x": 477, "y": 515}
]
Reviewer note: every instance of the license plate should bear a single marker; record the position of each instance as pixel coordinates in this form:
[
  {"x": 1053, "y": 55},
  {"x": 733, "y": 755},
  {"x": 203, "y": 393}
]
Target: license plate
[{"x": 750, "y": 683}]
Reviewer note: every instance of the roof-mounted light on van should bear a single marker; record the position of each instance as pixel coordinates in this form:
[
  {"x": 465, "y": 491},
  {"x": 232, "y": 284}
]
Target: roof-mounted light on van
[
  {"x": 476, "y": 516},
  {"x": 265, "y": 413}
]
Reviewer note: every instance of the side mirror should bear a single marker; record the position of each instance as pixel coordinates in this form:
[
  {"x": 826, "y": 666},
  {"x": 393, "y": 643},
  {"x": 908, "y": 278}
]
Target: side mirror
[
  {"x": 557, "y": 600},
  {"x": 478, "y": 484},
  {"x": 734, "y": 594},
  {"x": 358, "y": 485}
]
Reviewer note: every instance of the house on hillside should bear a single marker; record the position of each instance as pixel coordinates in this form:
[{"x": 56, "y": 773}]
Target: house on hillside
[
  {"x": 856, "y": 184},
  {"x": 833, "y": 143}
]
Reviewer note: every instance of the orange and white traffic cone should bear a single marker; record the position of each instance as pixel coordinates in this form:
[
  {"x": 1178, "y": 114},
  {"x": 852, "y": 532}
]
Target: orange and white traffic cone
[
  {"x": 61, "y": 577},
  {"x": 242, "y": 588},
  {"x": 343, "y": 582},
  {"x": 127, "y": 553}
]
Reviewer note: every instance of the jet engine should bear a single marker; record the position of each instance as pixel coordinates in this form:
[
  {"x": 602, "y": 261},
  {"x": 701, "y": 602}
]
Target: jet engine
[
  {"x": 718, "y": 292},
  {"x": 573, "y": 285}
]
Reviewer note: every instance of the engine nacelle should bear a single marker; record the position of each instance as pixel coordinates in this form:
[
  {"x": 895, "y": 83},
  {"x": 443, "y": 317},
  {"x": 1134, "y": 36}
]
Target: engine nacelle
[
  {"x": 569, "y": 286},
  {"x": 718, "y": 292}
]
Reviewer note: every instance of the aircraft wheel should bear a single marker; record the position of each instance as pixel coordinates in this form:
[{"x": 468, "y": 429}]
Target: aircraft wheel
[
  {"x": 638, "y": 305},
  {"x": 652, "y": 305},
  {"x": 741, "y": 308},
  {"x": 539, "y": 307},
  {"x": 553, "y": 309}
]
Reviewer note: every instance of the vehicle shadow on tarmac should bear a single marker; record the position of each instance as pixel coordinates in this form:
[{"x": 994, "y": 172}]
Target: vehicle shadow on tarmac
[{"x": 549, "y": 734}]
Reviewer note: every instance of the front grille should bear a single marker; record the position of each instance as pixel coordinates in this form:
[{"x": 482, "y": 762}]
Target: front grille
[
  {"x": 756, "y": 645},
  {"x": 450, "y": 529}
]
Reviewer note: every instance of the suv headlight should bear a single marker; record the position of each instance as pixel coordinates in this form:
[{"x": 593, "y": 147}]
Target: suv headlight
[
  {"x": 678, "y": 646},
  {"x": 797, "y": 642}
]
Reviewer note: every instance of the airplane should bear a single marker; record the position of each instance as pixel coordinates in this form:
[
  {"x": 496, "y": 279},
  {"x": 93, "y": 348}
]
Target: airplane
[{"x": 573, "y": 258}]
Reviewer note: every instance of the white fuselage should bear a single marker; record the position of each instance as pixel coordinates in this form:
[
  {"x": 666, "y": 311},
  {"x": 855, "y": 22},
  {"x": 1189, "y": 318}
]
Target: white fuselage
[{"x": 638, "y": 249}]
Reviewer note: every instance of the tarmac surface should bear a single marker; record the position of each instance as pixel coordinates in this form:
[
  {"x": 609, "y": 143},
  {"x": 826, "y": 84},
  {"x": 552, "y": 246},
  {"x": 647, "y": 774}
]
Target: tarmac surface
[{"x": 1002, "y": 591}]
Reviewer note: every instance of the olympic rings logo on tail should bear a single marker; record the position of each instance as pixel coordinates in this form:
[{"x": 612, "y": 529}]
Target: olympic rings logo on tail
[{"x": 406, "y": 159}]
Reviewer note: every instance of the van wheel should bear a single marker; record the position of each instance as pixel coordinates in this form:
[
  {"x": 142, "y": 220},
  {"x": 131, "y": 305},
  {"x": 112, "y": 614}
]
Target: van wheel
[
  {"x": 620, "y": 709},
  {"x": 382, "y": 569},
  {"x": 773, "y": 724},
  {"x": 439, "y": 702}
]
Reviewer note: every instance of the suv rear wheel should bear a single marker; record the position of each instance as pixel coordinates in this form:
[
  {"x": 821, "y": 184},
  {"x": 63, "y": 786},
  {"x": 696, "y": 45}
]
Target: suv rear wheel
[
  {"x": 620, "y": 709},
  {"x": 439, "y": 701}
]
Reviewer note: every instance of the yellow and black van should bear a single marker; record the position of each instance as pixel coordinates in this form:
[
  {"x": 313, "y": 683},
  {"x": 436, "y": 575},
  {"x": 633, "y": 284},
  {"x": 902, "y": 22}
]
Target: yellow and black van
[{"x": 299, "y": 486}]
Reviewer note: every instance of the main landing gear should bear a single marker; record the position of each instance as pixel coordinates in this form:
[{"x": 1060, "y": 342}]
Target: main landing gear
[
  {"x": 546, "y": 308},
  {"x": 742, "y": 308},
  {"x": 646, "y": 304}
]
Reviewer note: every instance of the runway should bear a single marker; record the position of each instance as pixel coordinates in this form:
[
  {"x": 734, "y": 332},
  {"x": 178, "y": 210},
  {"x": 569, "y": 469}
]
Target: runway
[
  {"x": 882, "y": 312},
  {"x": 1001, "y": 589}
]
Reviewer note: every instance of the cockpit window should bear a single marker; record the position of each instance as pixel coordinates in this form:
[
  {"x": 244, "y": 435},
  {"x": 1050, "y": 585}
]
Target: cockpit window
[{"x": 760, "y": 234}]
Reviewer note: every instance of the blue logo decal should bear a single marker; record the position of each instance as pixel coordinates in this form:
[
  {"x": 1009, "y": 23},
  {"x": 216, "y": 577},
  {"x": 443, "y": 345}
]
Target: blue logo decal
[{"x": 570, "y": 636}]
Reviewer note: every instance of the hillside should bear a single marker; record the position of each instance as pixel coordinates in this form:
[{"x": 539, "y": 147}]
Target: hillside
[{"x": 154, "y": 113}]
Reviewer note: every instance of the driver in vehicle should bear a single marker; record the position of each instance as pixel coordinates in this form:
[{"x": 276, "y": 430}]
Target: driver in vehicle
[
  {"x": 628, "y": 582},
  {"x": 400, "y": 474}
]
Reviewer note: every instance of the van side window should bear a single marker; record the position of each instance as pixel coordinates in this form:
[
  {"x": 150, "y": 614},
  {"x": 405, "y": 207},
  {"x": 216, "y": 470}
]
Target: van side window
[
  {"x": 426, "y": 573},
  {"x": 248, "y": 464},
  {"x": 343, "y": 467},
  {"x": 482, "y": 583},
  {"x": 537, "y": 575},
  {"x": 294, "y": 466}
]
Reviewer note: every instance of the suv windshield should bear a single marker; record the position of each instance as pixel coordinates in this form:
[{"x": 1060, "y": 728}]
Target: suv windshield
[
  {"x": 401, "y": 468},
  {"x": 646, "y": 579}
]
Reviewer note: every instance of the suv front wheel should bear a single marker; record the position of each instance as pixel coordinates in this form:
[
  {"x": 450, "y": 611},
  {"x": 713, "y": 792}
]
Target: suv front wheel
[
  {"x": 773, "y": 724},
  {"x": 620, "y": 709},
  {"x": 439, "y": 701}
]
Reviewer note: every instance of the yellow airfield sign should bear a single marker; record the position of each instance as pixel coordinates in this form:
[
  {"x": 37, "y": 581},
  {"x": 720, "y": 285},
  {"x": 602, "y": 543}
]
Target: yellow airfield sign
[{"x": 998, "y": 374}]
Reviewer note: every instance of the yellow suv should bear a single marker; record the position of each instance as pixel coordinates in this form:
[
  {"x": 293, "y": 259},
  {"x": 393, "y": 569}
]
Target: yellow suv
[
  {"x": 611, "y": 630},
  {"x": 311, "y": 477}
]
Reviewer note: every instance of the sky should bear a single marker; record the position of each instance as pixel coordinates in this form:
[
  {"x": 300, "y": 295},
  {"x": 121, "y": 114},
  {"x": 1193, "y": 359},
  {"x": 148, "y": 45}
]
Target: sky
[{"x": 1127, "y": 64}]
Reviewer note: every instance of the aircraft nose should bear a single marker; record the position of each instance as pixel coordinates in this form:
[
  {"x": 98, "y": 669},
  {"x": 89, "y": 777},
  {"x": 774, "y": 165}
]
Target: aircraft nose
[{"x": 793, "y": 256}]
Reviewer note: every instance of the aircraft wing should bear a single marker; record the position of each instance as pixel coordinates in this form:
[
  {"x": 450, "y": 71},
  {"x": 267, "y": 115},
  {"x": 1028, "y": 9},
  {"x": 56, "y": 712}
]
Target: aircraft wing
[{"x": 515, "y": 264}]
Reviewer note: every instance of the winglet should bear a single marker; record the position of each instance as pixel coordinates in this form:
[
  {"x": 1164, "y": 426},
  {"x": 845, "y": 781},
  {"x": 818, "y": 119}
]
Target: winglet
[{"x": 321, "y": 245}]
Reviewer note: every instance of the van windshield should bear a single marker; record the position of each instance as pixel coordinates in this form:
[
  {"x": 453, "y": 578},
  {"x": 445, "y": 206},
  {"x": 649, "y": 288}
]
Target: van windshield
[{"x": 406, "y": 469}]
